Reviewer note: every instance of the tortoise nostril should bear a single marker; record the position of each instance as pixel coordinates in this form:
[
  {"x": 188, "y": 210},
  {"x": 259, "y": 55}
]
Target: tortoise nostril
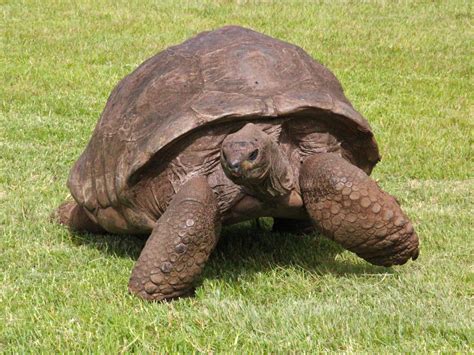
[{"x": 234, "y": 165}]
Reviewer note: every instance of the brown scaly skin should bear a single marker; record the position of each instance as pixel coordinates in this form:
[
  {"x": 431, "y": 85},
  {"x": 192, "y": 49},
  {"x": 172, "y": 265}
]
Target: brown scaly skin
[
  {"x": 258, "y": 120},
  {"x": 350, "y": 208},
  {"x": 179, "y": 245},
  {"x": 72, "y": 215},
  {"x": 339, "y": 198}
]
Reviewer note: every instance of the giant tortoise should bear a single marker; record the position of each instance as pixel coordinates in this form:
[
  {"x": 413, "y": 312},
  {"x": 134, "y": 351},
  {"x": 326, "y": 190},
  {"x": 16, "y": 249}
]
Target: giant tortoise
[{"x": 228, "y": 126}]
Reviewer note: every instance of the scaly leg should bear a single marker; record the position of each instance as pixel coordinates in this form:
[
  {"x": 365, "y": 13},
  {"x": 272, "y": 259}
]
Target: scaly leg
[
  {"x": 350, "y": 208},
  {"x": 179, "y": 245},
  {"x": 75, "y": 218}
]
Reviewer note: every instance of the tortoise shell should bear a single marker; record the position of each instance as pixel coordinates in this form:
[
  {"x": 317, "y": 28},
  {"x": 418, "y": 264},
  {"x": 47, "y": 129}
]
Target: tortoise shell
[{"x": 231, "y": 73}]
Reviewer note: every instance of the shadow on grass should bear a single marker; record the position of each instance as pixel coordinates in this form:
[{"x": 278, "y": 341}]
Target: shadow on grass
[
  {"x": 243, "y": 249},
  {"x": 246, "y": 249},
  {"x": 123, "y": 246}
]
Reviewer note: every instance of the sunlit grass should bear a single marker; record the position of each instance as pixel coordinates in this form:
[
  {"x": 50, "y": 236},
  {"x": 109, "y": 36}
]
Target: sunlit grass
[{"x": 406, "y": 66}]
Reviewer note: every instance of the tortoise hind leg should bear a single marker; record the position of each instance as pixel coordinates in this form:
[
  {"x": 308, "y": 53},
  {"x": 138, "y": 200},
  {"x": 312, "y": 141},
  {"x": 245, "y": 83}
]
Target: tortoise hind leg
[
  {"x": 350, "y": 208},
  {"x": 75, "y": 218},
  {"x": 179, "y": 244}
]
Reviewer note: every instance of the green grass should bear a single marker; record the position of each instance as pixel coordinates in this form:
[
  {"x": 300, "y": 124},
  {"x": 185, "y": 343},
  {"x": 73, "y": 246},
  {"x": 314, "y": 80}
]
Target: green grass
[{"x": 406, "y": 66}]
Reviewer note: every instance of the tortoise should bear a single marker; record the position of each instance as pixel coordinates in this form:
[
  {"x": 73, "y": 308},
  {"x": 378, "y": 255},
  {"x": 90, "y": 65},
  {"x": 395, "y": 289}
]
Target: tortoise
[{"x": 228, "y": 126}]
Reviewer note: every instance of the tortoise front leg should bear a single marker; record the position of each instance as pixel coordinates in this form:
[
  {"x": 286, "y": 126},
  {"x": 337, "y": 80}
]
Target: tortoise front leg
[
  {"x": 350, "y": 208},
  {"x": 179, "y": 245}
]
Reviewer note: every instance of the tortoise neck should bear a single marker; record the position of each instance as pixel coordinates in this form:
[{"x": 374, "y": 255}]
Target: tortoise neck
[{"x": 277, "y": 181}]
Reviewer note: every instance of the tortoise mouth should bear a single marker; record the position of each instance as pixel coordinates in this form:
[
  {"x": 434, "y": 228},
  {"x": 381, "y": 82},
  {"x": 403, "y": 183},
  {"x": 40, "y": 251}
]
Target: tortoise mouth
[
  {"x": 244, "y": 173},
  {"x": 235, "y": 170}
]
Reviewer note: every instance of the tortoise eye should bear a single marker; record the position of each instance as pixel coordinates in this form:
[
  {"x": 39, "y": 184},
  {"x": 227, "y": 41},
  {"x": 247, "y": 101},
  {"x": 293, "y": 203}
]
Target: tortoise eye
[{"x": 253, "y": 155}]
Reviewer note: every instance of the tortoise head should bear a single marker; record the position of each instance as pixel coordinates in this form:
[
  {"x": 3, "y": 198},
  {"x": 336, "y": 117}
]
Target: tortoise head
[{"x": 246, "y": 155}]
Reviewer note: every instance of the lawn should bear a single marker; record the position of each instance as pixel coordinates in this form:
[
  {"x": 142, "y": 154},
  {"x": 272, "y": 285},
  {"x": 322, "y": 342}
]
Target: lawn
[{"x": 407, "y": 66}]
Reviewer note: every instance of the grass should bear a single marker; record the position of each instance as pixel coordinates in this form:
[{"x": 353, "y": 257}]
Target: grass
[{"x": 407, "y": 66}]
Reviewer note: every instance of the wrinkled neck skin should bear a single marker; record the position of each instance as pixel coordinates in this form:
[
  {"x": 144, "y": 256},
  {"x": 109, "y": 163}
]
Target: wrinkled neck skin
[{"x": 277, "y": 180}]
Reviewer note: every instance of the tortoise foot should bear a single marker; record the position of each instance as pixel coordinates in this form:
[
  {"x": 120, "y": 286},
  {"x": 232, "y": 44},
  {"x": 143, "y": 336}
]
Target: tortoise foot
[
  {"x": 73, "y": 216},
  {"x": 350, "y": 208},
  {"x": 179, "y": 245}
]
